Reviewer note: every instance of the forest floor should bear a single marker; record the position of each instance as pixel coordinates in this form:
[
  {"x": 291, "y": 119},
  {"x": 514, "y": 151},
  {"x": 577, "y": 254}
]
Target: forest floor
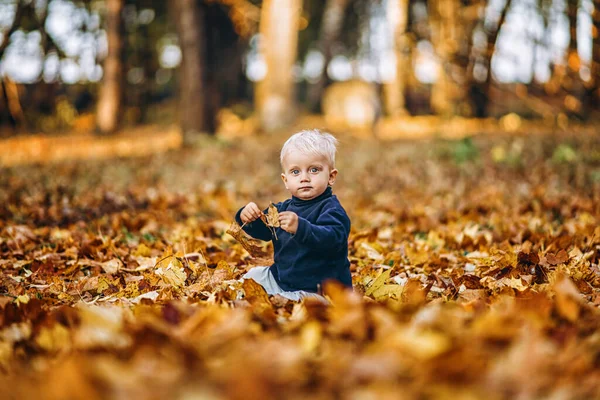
[{"x": 474, "y": 263}]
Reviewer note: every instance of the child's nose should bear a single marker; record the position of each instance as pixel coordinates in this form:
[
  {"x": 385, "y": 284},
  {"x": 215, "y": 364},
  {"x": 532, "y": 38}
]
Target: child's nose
[{"x": 305, "y": 177}]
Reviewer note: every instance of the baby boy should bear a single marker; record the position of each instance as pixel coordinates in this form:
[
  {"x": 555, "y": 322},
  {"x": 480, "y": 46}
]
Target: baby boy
[{"x": 312, "y": 240}]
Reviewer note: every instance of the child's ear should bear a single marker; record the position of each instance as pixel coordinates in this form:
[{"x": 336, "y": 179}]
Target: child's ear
[
  {"x": 332, "y": 176},
  {"x": 284, "y": 179}
]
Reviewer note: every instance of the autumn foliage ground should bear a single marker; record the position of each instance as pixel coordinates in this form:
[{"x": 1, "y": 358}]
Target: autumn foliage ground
[{"x": 475, "y": 269}]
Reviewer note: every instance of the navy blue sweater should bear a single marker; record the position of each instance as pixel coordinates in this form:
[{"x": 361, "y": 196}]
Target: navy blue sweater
[{"x": 319, "y": 249}]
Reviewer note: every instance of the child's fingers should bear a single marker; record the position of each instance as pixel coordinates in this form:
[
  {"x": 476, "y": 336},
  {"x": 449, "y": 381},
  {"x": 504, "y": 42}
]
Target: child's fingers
[{"x": 256, "y": 211}]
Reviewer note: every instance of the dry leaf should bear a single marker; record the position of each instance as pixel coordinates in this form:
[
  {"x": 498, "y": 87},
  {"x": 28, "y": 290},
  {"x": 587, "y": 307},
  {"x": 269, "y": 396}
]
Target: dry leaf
[
  {"x": 173, "y": 274},
  {"x": 272, "y": 216},
  {"x": 560, "y": 258},
  {"x": 111, "y": 267},
  {"x": 568, "y": 298},
  {"x": 271, "y": 219},
  {"x": 251, "y": 245},
  {"x": 378, "y": 282}
]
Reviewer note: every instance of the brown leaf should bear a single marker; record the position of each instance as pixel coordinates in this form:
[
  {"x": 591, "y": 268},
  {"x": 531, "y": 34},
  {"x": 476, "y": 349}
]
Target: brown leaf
[
  {"x": 470, "y": 281},
  {"x": 272, "y": 216},
  {"x": 251, "y": 245},
  {"x": 254, "y": 292},
  {"x": 271, "y": 219},
  {"x": 560, "y": 258},
  {"x": 568, "y": 298},
  {"x": 256, "y": 295},
  {"x": 528, "y": 258}
]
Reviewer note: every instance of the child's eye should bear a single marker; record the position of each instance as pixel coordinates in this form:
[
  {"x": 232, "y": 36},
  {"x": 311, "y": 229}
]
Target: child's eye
[
  {"x": 314, "y": 170},
  {"x": 295, "y": 172}
]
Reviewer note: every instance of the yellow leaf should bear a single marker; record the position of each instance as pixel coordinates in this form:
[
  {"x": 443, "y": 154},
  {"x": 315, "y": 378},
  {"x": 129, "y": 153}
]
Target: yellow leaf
[
  {"x": 52, "y": 339},
  {"x": 271, "y": 219},
  {"x": 378, "y": 283},
  {"x": 310, "y": 336},
  {"x": 435, "y": 240},
  {"x": 22, "y": 299},
  {"x": 388, "y": 291},
  {"x": 423, "y": 345},
  {"x": 173, "y": 274},
  {"x": 224, "y": 265},
  {"x": 371, "y": 251},
  {"x": 103, "y": 284},
  {"x": 272, "y": 216},
  {"x": 254, "y": 292},
  {"x": 417, "y": 257},
  {"x": 143, "y": 251}
]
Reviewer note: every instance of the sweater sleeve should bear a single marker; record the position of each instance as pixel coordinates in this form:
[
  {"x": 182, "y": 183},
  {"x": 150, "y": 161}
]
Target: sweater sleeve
[{"x": 329, "y": 232}]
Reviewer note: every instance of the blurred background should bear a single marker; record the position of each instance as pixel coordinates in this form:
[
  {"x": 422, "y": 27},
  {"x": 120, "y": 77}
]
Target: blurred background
[{"x": 237, "y": 67}]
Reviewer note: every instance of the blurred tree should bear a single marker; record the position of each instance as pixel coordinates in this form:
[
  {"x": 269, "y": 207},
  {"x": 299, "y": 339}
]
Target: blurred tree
[
  {"x": 445, "y": 34},
  {"x": 331, "y": 26},
  {"x": 212, "y": 37},
  {"x": 230, "y": 23},
  {"x": 394, "y": 90},
  {"x": 484, "y": 87},
  {"x": 147, "y": 23},
  {"x": 274, "y": 99},
  {"x": 572, "y": 83},
  {"x": 470, "y": 17},
  {"x": 190, "y": 17},
  {"x": 593, "y": 92},
  {"x": 110, "y": 98},
  {"x": 9, "y": 110},
  {"x": 28, "y": 16}
]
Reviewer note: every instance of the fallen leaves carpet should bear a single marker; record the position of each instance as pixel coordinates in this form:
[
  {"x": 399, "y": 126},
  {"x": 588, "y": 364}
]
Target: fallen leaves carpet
[{"x": 475, "y": 270}]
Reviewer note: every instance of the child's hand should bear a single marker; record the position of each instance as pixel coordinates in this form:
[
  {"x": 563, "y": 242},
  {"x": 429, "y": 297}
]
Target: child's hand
[
  {"x": 288, "y": 221},
  {"x": 250, "y": 213}
]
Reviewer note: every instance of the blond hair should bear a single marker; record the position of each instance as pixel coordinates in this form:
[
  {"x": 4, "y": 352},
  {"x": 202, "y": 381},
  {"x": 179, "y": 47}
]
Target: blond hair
[{"x": 311, "y": 141}]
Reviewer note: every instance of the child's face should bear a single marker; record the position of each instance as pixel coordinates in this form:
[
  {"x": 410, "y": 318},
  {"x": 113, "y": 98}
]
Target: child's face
[{"x": 306, "y": 176}]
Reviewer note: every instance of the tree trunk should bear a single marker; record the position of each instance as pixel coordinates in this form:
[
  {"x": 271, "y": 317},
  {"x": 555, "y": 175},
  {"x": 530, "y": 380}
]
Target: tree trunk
[
  {"x": 573, "y": 85},
  {"x": 393, "y": 91},
  {"x": 593, "y": 92},
  {"x": 7, "y": 108},
  {"x": 331, "y": 25},
  {"x": 465, "y": 58},
  {"x": 452, "y": 25},
  {"x": 279, "y": 40},
  {"x": 110, "y": 98},
  {"x": 445, "y": 37},
  {"x": 492, "y": 39},
  {"x": 190, "y": 23}
]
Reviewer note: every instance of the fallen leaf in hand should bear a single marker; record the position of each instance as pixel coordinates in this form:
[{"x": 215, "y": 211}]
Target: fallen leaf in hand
[
  {"x": 272, "y": 216},
  {"x": 251, "y": 245},
  {"x": 271, "y": 219}
]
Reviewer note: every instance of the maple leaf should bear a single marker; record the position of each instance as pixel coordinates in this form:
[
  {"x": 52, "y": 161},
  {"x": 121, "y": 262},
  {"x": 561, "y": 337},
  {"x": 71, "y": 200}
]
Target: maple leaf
[
  {"x": 560, "y": 258},
  {"x": 173, "y": 274},
  {"x": 271, "y": 219}
]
